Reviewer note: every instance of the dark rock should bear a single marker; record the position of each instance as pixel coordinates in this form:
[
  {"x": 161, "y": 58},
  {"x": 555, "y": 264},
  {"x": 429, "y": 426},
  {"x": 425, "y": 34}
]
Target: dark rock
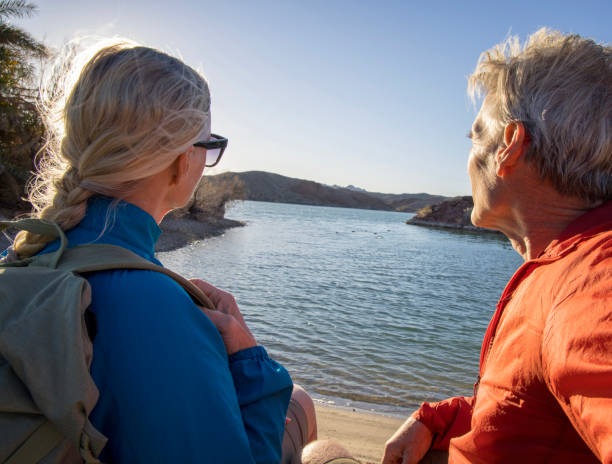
[
  {"x": 452, "y": 214},
  {"x": 181, "y": 231}
]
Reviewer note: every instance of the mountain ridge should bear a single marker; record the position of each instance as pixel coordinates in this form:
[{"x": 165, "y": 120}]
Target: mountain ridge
[{"x": 276, "y": 188}]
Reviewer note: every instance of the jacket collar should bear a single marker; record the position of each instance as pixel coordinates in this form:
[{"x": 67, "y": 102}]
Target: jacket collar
[
  {"x": 589, "y": 224},
  {"x": 115, "y": 222},
  {"x": 119, "y": 223}
]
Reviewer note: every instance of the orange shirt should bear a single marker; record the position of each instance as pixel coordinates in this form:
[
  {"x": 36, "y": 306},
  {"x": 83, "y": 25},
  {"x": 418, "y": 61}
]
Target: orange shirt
[{"x": 545, "y": 390}]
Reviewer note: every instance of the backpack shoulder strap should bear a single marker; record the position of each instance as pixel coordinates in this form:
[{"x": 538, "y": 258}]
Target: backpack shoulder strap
[
  {"x": 94, "y": 257},
  {"x": 79, "y": 260},
  {"x": 38, "y": 445},
  {"x": 83, "y": 259},
  {"x": 42, "y": 227}
]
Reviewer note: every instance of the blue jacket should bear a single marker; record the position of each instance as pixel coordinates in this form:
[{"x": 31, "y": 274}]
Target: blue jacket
[{"x": 168, "y": 391}]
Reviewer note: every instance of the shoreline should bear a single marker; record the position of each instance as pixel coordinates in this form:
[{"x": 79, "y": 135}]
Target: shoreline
[
  {"x": 385, "y": 409},
  {"x": 182, "y": 231},
  {"x": 360, "y": 427},
  {"x": 363, "y": 433},
  {"x": 450, "y": 226}
]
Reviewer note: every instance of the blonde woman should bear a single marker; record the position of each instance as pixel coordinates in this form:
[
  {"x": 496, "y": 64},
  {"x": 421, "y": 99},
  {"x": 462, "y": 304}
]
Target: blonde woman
[{"x": 176, "y": 384}]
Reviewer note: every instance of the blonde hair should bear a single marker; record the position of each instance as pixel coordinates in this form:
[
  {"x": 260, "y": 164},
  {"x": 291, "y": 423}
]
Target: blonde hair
[
  {"x": 131, "y": 111},
  {"x": 560, "y": 87}
]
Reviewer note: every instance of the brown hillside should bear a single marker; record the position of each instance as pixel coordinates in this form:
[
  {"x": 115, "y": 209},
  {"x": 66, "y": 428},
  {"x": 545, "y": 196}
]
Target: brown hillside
[{"x": 266, "y": 186}]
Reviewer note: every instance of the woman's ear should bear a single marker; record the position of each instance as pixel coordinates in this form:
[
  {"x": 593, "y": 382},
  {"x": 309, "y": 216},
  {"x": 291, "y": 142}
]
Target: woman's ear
[{"x": 180, "y": 168}]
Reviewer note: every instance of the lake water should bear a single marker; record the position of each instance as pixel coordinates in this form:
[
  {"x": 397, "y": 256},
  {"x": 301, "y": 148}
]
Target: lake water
[{"x": 362, "y": 309}]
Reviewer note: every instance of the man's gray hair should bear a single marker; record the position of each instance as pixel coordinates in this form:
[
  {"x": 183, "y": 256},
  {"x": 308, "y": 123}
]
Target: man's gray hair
[{"x": 560, "y": 87}]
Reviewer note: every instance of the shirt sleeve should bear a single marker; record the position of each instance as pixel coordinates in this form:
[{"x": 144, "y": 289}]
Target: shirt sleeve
[
  {"x": 577, "y": 355},
  {"x": 259, "y": 383},
  {"x": 168, "y": 392},
  {"x": 446, "y": 419}
]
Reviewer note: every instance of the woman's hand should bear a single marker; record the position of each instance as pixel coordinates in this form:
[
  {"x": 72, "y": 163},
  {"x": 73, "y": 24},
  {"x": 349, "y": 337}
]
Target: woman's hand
[
  {"x": 227, "y": 318},
  {"x": 408, "y": 444}
]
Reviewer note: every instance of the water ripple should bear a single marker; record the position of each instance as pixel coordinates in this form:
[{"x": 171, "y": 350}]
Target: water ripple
[{"x": 356, "y": 304}]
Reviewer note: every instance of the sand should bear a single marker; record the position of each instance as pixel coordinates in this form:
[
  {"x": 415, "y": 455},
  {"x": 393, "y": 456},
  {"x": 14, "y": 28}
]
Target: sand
[{"x": 363, "y": 433}]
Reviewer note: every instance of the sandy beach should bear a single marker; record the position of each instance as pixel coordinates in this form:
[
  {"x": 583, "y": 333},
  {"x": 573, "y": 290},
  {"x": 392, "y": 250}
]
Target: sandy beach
[{"x": 363, "y": 433}]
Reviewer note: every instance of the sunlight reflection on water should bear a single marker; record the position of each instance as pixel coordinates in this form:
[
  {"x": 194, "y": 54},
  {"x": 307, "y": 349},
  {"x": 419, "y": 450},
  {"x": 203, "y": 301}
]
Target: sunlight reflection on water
[{"x": 357, "y": 305}]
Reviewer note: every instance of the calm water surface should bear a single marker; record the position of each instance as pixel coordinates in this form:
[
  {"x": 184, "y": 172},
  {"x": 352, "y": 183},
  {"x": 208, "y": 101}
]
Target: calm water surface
[{"x": 362, "y": 309}]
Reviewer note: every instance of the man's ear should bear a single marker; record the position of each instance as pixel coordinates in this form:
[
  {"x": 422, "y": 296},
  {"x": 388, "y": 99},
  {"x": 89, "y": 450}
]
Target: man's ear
[
  {"x": 516, "y": 143},
  {"x": 180, "y": 167}
]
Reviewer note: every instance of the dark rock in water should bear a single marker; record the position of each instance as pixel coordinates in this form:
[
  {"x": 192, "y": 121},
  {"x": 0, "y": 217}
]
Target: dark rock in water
[
  {"x": 451, "y": 214},
  {"x": 454, "y": 213}
]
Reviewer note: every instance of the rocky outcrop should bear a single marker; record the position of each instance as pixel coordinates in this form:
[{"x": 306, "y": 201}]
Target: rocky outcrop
[
  {"x": 454, "y": 213},
  {"x": 203, "y": 216},
  {"x": 183, "y": 230},
  {"x": 213, "y": 194}
]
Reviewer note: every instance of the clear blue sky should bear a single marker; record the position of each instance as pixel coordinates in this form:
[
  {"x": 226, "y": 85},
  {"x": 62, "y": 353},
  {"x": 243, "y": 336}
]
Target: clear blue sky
[{"x": 370, "y": 93}]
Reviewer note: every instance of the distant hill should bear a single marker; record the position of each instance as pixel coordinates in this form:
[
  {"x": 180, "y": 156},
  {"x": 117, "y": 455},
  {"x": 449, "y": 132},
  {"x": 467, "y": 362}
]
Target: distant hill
[
  {"x": 266, "y": 186},
  {"x": 408, "y": 202},
  {"x": 350, "y": 187}
]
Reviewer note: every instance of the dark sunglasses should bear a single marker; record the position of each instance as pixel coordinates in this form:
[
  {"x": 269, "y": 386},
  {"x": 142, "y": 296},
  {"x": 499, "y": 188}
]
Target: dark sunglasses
[{"x": 214, "y": 149}]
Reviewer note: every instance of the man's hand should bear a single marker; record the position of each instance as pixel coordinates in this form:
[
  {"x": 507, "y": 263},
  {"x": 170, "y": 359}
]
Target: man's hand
[
  {"x": 227, "y": 318},
  {"x": 408, "y": 444}
]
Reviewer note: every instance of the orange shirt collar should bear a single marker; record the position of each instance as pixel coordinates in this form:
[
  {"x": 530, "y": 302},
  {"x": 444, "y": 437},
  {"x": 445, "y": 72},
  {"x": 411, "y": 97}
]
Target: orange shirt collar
[{"x": 590, "y": 223}]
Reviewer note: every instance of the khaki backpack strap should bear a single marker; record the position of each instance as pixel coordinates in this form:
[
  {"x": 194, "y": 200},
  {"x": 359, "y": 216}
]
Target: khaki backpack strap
[
  {"x": 41, "y": 227},
  {"x": 93, "y": 257},
  {"x": 38, "y": 445},
  {"x": 101, "y": 257}
]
